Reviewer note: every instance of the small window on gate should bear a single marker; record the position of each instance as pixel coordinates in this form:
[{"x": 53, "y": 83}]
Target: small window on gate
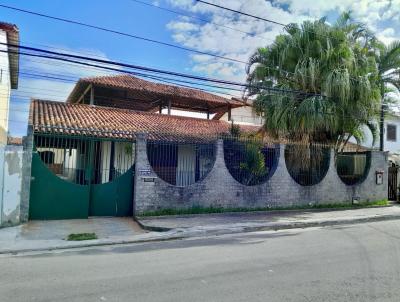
[{"x": 391, "y": 132}]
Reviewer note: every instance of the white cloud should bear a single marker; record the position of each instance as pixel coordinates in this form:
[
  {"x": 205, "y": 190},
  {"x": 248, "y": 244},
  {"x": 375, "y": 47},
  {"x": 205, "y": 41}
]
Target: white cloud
[
  {"x": 217, "y": 36},
  {"x": 222, "y": 41},
  {"x": 387, "y": 35},
  {"x": 182, "y": 26}
]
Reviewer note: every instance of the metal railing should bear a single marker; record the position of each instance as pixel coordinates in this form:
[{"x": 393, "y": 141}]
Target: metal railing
[
  {"x": 183, "y": 162},
  {"x": 85, "y": 160},
  {"x": 250, "y": 160}
]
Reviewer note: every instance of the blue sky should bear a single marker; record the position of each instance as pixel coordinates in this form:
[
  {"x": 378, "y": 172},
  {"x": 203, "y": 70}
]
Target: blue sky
[
  {"x": 123, "y": 15},
  {"x": 129, "y": 16}
]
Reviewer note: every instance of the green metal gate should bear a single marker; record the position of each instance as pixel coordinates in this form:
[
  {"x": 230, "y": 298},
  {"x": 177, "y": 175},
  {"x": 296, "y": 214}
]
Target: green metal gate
[
  {"x": 113, "y": 198},
  {"x": 77, "y": 178}
]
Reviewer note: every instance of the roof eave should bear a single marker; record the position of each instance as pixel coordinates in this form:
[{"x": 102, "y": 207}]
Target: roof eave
[{"x": 13, "y": 55}]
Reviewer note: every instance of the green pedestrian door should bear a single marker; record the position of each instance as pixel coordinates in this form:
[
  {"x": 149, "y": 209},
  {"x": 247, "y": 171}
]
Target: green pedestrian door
[
  {"x": 69, "y": 180},
  {"x": 113, "y": 198}
]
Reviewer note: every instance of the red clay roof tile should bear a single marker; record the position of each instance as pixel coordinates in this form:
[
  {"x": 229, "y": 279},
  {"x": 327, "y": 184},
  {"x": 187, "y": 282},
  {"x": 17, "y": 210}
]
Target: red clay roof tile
[
  {"x": 181, "y": 96},
  {"x": 86, "y": 120}
]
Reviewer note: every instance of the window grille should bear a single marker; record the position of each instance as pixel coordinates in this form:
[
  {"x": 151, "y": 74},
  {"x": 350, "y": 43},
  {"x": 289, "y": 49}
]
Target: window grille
[
  {"x": 353, "y": 167},
  {"x": 181, "y": 163},
  {"x": 307, "y": 164},
  {"x": 250, "y": 161},
  {"x": 83, "y": 161}
]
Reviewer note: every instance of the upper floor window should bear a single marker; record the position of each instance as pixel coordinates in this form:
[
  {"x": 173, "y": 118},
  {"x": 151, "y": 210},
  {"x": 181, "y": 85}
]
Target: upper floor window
[{"x": 391, "y": 132}]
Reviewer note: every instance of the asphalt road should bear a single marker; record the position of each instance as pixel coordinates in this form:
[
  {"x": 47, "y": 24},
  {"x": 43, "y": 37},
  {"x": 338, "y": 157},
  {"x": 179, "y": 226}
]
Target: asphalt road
[{"x": 346, "y": 263}]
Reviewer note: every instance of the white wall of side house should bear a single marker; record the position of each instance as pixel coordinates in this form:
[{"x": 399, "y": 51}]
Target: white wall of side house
[
  {"x": 5, "y": 88},
  {"x": 244, "y": 115},
  {"x": 393, "y": 146},
  {"x": 11, "y": 161}
]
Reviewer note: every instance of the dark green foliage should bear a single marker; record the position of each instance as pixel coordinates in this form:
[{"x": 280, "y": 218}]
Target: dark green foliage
[{"x": 81, "y": 236}]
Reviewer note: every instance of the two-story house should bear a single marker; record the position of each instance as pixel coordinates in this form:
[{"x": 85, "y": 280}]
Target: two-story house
[{"x": 9, "y": 35}]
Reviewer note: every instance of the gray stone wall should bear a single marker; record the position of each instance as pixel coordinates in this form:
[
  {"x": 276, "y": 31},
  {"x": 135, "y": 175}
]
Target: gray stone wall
[{"x": 220, "y": 189}]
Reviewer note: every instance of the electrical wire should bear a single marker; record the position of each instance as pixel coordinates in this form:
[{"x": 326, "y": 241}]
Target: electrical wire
[
  {"x": 65, "y": 57},
  {"x": 197, "y": 18},
  {"x": 113, "y": 31},
  {"x": 242, "y": 13}
]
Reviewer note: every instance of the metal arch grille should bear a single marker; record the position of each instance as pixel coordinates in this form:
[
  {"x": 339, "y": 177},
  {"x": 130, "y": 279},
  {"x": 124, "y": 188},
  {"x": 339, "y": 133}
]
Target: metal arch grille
[
  {"x": 307, "y": 164},
  {"x": 249, "y": 160},
  {"x": 353, "y": 167},
  {"x": 183, "y": 162}
]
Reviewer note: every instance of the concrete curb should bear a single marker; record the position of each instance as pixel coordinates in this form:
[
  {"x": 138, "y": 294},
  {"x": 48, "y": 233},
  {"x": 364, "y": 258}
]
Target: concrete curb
[
  {"x": 150, "y": 227},
  {"x": 190, "y": 233},
  {"x": 310, "y": 224},
  {"x": 77, "y": 246}
]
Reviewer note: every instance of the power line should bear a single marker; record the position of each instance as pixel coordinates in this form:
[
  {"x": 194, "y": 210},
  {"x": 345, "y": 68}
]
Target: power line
[
  {"x": 159, "y": 78},
  {"x": 151, "y": 40},
  {"x": 119, "y": 33},
  {"x": 196, "y": 17},
  {"x": 175, "y": 81},
  {"x": 61, "y": 64},
  {"x": 66, "y": 57},
  {"x": 94, "y": 55},
  {"x": 242, "y": 13},
  {"x": 260, "y": 18}
]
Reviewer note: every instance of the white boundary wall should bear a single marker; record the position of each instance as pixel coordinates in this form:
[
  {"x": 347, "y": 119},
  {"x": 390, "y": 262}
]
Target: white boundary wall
[{"x": 11, "y": 162}]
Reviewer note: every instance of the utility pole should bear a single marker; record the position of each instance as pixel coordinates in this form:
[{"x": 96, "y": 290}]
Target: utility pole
[
  {"x": 382, "y": 120},
  {"x": 381, "y": 129}
]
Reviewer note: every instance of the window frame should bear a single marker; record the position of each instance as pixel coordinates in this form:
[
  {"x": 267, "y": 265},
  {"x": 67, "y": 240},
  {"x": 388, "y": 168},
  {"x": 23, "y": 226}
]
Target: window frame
[{"x": 390, "y": 139}]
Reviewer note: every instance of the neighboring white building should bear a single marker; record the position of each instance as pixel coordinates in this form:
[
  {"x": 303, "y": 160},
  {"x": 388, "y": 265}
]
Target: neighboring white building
[
  {"x": 10, "y": 155},
  {"x": 391, "y": 135},
  {"x": 242, "y": 115},
  {"x": 9, "y": 62}
]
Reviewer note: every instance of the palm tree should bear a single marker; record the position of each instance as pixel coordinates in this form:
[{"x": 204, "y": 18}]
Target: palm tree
[{"x": 333, "y": 73}]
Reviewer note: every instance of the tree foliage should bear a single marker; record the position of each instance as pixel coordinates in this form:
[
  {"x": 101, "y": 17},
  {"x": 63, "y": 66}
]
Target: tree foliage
[
  {"x": 253, "y": 163},
  {"x": 336, "y": 71}
]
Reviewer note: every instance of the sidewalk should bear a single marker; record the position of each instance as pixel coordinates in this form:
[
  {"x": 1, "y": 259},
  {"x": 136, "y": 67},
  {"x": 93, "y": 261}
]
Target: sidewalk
[
  {"x": 272, "y": 220},
  {"x": 50, "y": 235}
]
